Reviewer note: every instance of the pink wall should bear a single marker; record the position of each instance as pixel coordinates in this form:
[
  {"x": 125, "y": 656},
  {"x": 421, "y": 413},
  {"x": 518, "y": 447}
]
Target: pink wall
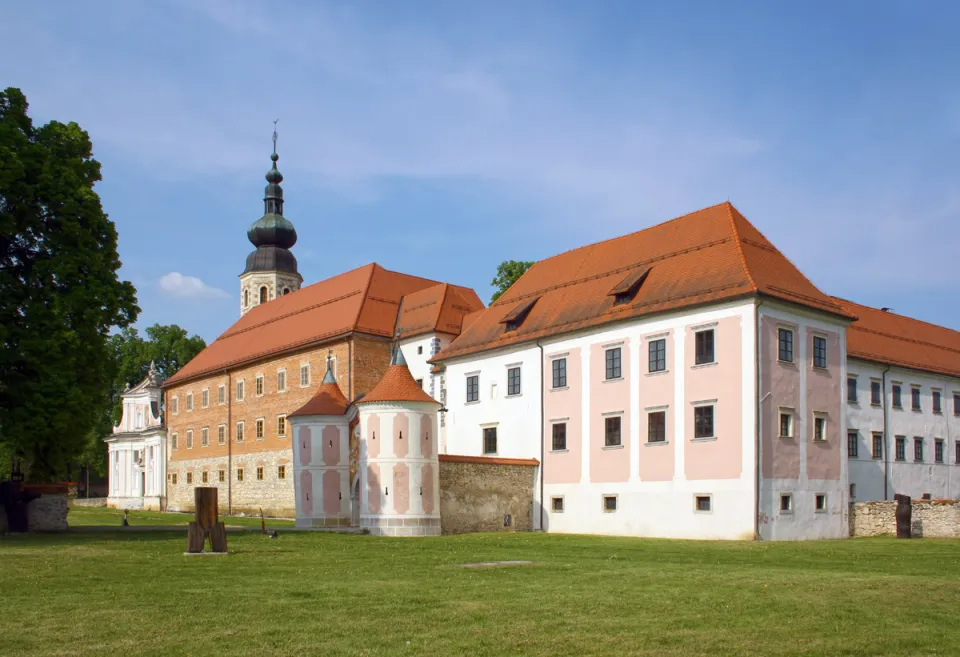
[
  {"x": 306, "y": 493},
  {"x": 401, "y": 487},
  {"x": 331, "y": 492},
  {"x": 657, "y": 460},
  {"x": 427, "y": 475},
  {"x": 780, "y": 457},
  {"x": 609, "y": 464},
  {"x": 823, "y": 395},
  {"x": 563, "y": 467},
  {"x": 374, "y": 488},
  {"x": 331, "y": 445},
  {"x": 306, "y": 445},
  {"x": 373, "y": 436},
  {"x": 428, "y": 435},
  {"x": 720, "y": 458},
  {"x": 401, "y": 434}
]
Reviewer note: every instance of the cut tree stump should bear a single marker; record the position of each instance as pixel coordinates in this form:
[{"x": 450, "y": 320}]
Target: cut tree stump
[{"x": 206, "y": 523}]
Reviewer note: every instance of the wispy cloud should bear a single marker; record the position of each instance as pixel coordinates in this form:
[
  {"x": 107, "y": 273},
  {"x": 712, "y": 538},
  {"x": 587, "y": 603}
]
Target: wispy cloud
[{"x": 178, "y": 286}]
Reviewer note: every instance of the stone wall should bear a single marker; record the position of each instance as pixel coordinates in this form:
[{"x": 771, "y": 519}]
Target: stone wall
[
  {"x": 930, "y": 519},
  {"x": 47, "y": 513},
  {"x": 476, "y": 493},
  {"x": 89, "y": 501}
]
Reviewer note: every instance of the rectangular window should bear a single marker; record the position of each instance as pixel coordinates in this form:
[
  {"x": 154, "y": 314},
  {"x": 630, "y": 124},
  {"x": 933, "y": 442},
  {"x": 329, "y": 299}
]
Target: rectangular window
[
  {"x": 189, "y": 401},
  {"x": 877, "y": 446},
  {"x": 189, "y": 477},
  {"x": 260, "y": 429},
  {"x": 490, "y": 440},
  {"x": 281, "y": 472},
  {"x": 785, "y": 342},
  {"x": 560, "y": 373},
  {"x": 420, "y": 383},
  {"x": 239, "y": 432},
  {"x": 820, "y": 502},
  {"x": 956, "y": 403},
  {"x": 901, "y": 453},
  {"x": 281, "y": 380},
  {"x": 613, "y": 363},
  {"x": 174, "y": 442},
  {"x": 259, "y": 473},
  {"x": 513, "y": 381},
  {"x": 786, "y": 425},
  {"x": 915, "y": 399},
  {"x": 658, "y": 355},
  {"x": 853, "y": 439},
  {"x": 918, "y": 449},
  {"x": 173, "y": 478},
  {"x": 203, "y": 476},
  {"x": 657, "y": 427},
  {"x": 259, "y": 385},
  {"x": 938, "y": 450},
  {"x": 221, "y": 475},
  {"x": 819, "y": 428},
  {"x": 221, "y": 434},
  {"x": 239, "y": 390},
  {"x": 556, "y": 503},
  {"x": 175, "y": 405},
  {"x": 704, "y": 503},
  {"x": 853, "y": 491},
  {"x": 819, "y": 351},
  {"x": 897, "y": 402},
  {"x": 937, "y": 408},
  {"x": 205, "y": 437},
  {"x": 852, "y": 389},
  {"x": 189, "y": 438},
  {"x": 281, "y": 425},
  {"x": 611, "y": 431},
  {"x": 559, "y": 437},
  {"x": 704, "y": 347},
  {"x": 875, "y": 393},
  {"x": 419, "y": 350},
  {"x": 703, "y": 422},
  {"x": 786, "y": 503},
  {"x": 473, "y": 388},
  {"x": 239, "y": 474},
  {"x": 305, "y": 375},
  {"x": 205, "y": 398},
  {"x": 609, "y": 503},
  {"x": 222, "y": 394}
]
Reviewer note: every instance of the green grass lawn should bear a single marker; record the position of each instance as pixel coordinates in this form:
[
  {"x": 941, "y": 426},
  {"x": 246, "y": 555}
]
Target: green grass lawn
[
  {"x": 333, "y": 594},
  {"x": 83, "y": 516}
]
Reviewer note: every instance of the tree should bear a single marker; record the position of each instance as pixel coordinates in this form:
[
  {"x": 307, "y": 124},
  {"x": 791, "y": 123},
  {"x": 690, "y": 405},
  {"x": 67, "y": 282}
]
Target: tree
[
  {"x": 60, "y": 295},
  {"x": 507, "y": 274}
]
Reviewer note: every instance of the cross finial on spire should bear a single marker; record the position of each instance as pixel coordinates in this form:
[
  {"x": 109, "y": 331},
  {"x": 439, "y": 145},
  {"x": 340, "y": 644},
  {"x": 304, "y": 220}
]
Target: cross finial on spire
[{"x": 275, "y": 135}]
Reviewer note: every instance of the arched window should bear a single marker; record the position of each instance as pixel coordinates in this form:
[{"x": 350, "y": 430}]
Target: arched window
[
  {"x": 286, "y": 290},
  {"x": 263, "y": 294},
  {"x": 246, "y": 298}
]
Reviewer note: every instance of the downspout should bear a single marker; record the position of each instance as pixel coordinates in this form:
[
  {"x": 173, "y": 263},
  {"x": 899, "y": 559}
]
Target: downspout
[
  {"x": 756, "y": 482},
  {"x": 886, "y": 440},
  {"x": 542, "y": 442},
  {"x": 229, "y": 444}
]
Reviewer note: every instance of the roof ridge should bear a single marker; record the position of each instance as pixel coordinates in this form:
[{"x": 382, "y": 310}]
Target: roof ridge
[
  {"x": 887, "y": 312},
  {"x": 443, "y": 300},
  {"x": 738, "y": 241},
  {"x": 366, "y": 293}
]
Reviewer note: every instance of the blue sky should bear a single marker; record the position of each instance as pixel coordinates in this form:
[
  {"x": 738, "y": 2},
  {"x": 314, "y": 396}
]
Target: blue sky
[{"x": 439, "y": 139}]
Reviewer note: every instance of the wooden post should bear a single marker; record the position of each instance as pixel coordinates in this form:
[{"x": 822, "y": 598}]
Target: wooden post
[
  {"x": 904, "y": 515},
  {"x": 206, "y": 522}
]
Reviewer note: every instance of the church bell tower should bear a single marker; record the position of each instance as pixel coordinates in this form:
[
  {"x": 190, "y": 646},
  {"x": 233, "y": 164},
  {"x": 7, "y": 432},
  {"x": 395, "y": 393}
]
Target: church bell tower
[{"x": 271, "y": 269}]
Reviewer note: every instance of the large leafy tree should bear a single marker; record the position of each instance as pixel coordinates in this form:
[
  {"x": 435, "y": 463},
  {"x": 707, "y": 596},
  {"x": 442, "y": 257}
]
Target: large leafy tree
[
  {"x": 60, "y": 295},
  {"x": 507, "y": 274}
]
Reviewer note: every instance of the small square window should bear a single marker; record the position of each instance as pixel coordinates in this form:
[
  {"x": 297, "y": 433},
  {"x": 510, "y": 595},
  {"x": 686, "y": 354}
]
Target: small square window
[
  {"x": 704, "y": 503},
  {"x": 473, "y": 388},
  {"x": 490, "y": 440},
  {"x": 613, "y": 363},
  {"x": 513, "y": 381},
  {"x": 852, "y": 389},
  {"x": 556, "y": 504},
  {"x": 658, "y": 355},
  {"x": 875, "y": 393},
  {"x": 786, "y": 503},
  {"x": 785, "y": 345},
  {"x": 203, "y": 476},
  {"x": 609, "y": 503},
  {"x": 559, "y": 437},
  {"x": 189, "y": 477},
  {"x": 281, "y": 381},
  {"x": 420, "y": 383},
  {"x": 239, "y": 474},
  {"x": 786, "y": 425},
  {"x": 259, "y": 473},
  {"x": 559, "y": 373},
  {"x": 657, "y": 427},
  {"x": 222, "y": 475},
  {"x": 281, "y": 472},
  {"x": 819, "y": 351},
  {"x": 611, "y": 431},
  {"x": 820, "y": 502},
  {"x": 938, "y": 450},
  {"x": 703, "y": 422},
  {"x": 704, "y": 347},
  {"x": 819, "y": 429},
  {"x": 853, "y": 439}
]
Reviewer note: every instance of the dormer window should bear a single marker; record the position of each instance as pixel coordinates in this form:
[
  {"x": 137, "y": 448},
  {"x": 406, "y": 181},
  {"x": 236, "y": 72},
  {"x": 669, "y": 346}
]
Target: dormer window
[
  {"x": 626, "y": 290},
  {"x": 515, "y": 318}
]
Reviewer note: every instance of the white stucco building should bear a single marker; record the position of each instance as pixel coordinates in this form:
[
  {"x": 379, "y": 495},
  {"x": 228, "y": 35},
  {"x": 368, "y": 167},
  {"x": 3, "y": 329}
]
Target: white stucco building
[{"x": 137, "y": 449}]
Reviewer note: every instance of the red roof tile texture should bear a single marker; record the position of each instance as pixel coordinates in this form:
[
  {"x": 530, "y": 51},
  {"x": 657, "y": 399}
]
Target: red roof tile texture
[
  {"x": 397, "y": 385},
  {"x": 329, "y": 400},
  {"x": 440, "y": 309},
  {"x": 888, "y": 338},
  {"x": 364, "y": 300},
  {"x": 707, "y": 256}
]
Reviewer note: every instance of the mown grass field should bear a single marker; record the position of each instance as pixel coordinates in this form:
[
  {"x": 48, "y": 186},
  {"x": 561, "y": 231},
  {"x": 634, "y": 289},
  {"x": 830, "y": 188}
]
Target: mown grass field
[
  {"x": 330, "y": 594},
  {"x": 82, "y": 516}
]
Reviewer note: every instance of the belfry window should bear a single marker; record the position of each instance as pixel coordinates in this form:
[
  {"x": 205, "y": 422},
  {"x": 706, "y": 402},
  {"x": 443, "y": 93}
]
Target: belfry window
[
  {"x": 246, "y": 298},
  {"x": 263, "y": 294}
]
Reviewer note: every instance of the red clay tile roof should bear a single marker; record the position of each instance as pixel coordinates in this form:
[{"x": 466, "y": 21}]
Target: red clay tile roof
[
  {"x": 329, "y": 400},
  {"x": 397, "y": 385},
  {"x": 364, "y": 300},
  {"x": 711, "y": 255},
  {"x": 440, "y": 309},
  {"x": 888, "y": 338}
]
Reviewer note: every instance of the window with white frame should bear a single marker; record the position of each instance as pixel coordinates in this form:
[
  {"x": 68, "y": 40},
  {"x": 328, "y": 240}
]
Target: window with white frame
[
  {"x": 189, "y": 401},
  {"x": 819, "y": 427},
  {"x": 785, "y": 345},
  {"x": 704, "y": 344},
  {"x": 657, "y": 355},
  {"x": 820, "y": 503},
  {"x": 174, "y": 442},
  {"x": 786, "y": 503},
  {"x": 259, "y": 385},
  {"x": 240, "y": 431},
  {"x": 559, "y": 367},
  {"x": 703, "y": 503},
  {"x": 703, "y": 424},
  {"x": 189, "y": 438},
  {"x": 819, "y": 352},
  {"x": 281, "y": 425},
  {"x": 240, "y": 390},
  {"x": 559, "y": 443},
  {"x": 304, "y": 375},
  {"x": 489, "y": 440},
  {"x": 473, "y": 388},
  {"x": 786, "y": 423},
  {"x": 205, "y": 398},
  {"x": 281, "y": 380},
  {"x": 609, "y": 503},
  {"x": 657, "y": 426},
  {"x": 174, "y": 405},
  {"x": 259, "y": 426},
  {"x": 221, "y": 434},
  {"x": 221, "y": 394},
  {"x": 613, "y": 368},
  {"x": 556, "y": 503},
  {"x": 612, "y": 431},
  {"x": 513, "y": 381},
  {"x": 205, "y": 437}
]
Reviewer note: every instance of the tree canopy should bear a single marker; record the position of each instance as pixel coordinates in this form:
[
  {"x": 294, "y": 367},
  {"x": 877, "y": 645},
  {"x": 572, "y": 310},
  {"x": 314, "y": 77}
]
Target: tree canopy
[
  {"x": 507, "y": 274},
  {"x": 60, "y": 293}
]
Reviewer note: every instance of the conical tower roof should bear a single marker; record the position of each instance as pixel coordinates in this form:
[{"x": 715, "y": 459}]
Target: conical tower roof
[
  {"x": 329, "y": 399},
  {"x": 397, "y": 385}
]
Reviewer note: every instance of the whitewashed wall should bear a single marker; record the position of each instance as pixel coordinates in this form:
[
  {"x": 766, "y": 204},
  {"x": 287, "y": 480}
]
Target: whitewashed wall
[{"x": 417, "y": 351}]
